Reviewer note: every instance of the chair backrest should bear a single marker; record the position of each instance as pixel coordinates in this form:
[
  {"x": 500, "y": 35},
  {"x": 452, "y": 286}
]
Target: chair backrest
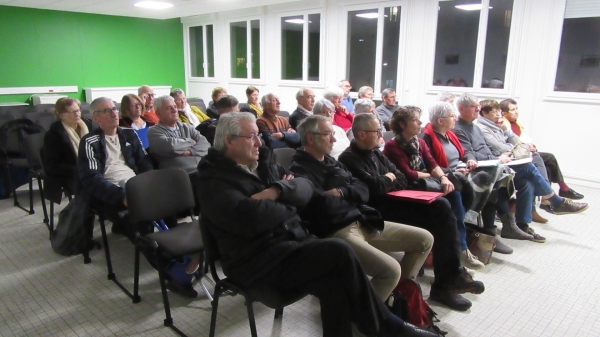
[
  {"x": 45, "y": 121},
  {"x": 158, "y": 194},
  {"x": 198, "y": 102},
  {"x": 284, "y": 114},
  {"x": 388, "y": 135},
  {"x": 350, "y": 134},
  {"x": 44, "y": 108},
  {"x": 211, "y": 251},
  {"x": 32, "y": 144},
  {"x": 284, "y": 156},
  {"x": 11, "y": 135}
]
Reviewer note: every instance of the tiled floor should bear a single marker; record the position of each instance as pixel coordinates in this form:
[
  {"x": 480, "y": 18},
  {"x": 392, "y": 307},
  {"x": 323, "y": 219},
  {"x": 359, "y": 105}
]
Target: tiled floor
[{"x": 549, "y": 289}]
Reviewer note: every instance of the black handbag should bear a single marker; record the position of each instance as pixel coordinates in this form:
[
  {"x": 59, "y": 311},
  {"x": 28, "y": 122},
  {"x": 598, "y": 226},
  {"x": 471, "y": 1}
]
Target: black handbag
[
  {"x": 430, "y": 184},
  {"x": 370, "y": 217}
]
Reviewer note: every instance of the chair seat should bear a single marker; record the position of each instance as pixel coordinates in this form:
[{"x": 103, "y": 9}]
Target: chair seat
[
  {"x": 19, "y": 162},
  {"x": 181, "y": 240},
  {"x": 271, "y": 297}
]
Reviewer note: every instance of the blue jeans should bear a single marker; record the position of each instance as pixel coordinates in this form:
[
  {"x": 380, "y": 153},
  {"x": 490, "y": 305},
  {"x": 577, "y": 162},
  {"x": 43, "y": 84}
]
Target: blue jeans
[
  {"x": 458, "y": 209},
  {"x": 529, "y": 184}
]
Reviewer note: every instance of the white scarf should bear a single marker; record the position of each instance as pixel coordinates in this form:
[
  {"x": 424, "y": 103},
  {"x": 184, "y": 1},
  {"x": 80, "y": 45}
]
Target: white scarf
[
  {"x": 191, "y": 116},
  {"x": 75, "y": 137}
]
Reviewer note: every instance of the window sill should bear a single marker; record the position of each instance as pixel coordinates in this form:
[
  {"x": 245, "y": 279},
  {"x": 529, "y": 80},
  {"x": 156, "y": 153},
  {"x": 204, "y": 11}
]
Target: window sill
[
  {"x": 202, "y": 80},
  {"x": 572, "y": 97}
]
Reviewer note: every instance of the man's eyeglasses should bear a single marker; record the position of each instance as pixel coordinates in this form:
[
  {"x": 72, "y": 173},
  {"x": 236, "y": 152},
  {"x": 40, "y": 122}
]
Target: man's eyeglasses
[
  {"x": 251, "y": 137},
  {"x": 376, "y": 131},
  {"x": 107, "y": 111},
  {"x": 451, "y": 116},
  {"x": 180, "y": 100},
  {"x": 72, "y": 112},
  {"x": 170, "y": 107},
  {"x": 150, "y": 95},
  {"x": 327, "y": 135}
]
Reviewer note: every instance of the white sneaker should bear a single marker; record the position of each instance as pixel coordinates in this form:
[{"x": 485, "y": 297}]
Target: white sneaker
[
  {"x": 470, "y": 271},
  {"x": 471, "y": 261}
]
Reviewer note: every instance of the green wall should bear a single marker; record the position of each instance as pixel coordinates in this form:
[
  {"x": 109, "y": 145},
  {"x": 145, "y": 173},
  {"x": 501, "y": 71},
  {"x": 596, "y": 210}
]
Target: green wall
[{"x": 54, "y": 48}]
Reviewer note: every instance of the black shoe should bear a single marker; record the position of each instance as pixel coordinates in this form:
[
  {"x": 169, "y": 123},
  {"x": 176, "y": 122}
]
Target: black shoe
[
  {"x": 183, "y": 290},
  {"x": 450, "y": 298},
  {"x": 409, "y": 330},
  {"x": 548, "y": 208},
  {"x": 570, "y": 207},
  {"x": 117, "y": 229},
  {"x": 464, "y": 283},
  {"x": 571, "y": 194}
]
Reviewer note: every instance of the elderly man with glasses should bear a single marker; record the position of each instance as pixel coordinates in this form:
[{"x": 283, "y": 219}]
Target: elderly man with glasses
[{"x": 147, "y": 95}]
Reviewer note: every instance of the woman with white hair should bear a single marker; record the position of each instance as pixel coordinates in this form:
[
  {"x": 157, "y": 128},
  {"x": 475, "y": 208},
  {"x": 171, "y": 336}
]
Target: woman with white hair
[
  {"x": 325, "y": 108},
  {"x": 342, "y": 117}
]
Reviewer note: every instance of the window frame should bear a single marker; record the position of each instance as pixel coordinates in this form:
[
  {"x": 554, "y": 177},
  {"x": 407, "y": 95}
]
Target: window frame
[
  {"x": 512, "y": 54},
  {"x": 305, "y": 38},
  {"x": 187, "y": 52},
  {"x": 380, "y": 6},
  {"x": 248, "y": 80}
]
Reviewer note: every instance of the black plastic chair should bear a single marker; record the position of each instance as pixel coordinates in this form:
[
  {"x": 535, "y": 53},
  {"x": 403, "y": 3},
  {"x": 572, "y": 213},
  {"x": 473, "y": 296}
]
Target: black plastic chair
[
  {"x": 269, "y": 296},
  {"x": 284, "y": 156},
  {"x": 32, "y": 144},
  {"x": 284, "y": 114},
  {"x": 156, "y": 195},
  {"x": 388, "y": 135}
]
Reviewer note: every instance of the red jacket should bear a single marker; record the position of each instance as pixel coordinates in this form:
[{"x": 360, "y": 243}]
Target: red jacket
[{"x": 342, "y": 119}]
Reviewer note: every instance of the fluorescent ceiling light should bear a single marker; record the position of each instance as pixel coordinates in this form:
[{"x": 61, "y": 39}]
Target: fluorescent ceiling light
[
  {"x": 368, "y": 15},
  {"x": 471, "y": 7},
  {"x": 297, "y": 21},
  {"x": 153, "y": 4}
]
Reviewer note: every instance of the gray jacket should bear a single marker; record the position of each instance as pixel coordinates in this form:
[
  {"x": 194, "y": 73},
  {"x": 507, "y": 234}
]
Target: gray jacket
[
  {"x": 385, "y": 113},
  {"x": 498, "y": 139},
  {"x": 473, "y": 141},
  {"x": 167, "y": 146}
]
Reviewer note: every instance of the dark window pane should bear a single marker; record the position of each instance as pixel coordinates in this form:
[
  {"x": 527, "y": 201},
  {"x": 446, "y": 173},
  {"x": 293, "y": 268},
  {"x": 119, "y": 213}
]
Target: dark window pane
[
  {"x": 579, "y": 59},
  {"x": 291, "y": 47},
  {"x": 255, "y": 35},
  {"x": 391, "y": 40},
  {"x": 238, "y": 49},
  {"x": 210, "y": 55},
  {"x": 362, "y": 42},
  {"x": 196, "y": 52},
  {"x": 496, "y": 43},
  {"x": 314, "y": 46},
  {"x": 456, "y": 44}
]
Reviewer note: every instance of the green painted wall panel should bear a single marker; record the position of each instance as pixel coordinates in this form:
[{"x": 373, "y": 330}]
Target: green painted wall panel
[{"x": 54, "y": 48}]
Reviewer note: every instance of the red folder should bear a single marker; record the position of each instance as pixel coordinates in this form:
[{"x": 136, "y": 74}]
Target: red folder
[{"x": 423, "y": 197}]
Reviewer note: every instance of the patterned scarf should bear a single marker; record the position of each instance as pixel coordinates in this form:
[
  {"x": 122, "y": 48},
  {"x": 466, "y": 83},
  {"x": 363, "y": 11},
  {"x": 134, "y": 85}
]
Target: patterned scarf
[{"x": 411, "y": 148}]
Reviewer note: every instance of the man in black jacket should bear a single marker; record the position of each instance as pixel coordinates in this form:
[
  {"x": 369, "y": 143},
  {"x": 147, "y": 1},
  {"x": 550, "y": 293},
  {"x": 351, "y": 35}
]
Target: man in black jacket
[
  {"x": 335, "y": 211},
  {"x": 252, "y": 205},
  {"x": 370, "y": 166}
]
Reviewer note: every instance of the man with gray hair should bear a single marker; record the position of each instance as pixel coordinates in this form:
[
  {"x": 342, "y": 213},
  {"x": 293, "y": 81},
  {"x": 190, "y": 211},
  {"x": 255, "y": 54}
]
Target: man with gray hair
[
  {"x": 387, "y": 108},
  {"x": 346, "y": 100},
  {"x": 172, "y": 143},
  {"x": 250, "y": 206},
  {"x": 446, "y": 96},
  {"x": 306, "y": 103},
  {"x": 365, "y": 92},
  {"x": 276, "y": 130}
]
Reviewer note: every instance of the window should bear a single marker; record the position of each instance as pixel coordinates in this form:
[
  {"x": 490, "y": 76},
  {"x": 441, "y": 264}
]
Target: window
[
  {"x": 202, "y": 57},
  {"x": 245, "y": 49},
  {"x": 472, "y": 43},
  {"x": 300, "y": 47},
  {"x": 372, "y": 59},
  {"x": 578, "y": 68}
]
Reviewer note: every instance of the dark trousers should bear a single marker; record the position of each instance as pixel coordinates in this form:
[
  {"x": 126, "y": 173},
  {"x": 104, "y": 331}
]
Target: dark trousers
[
  {"x": 329, "y": 270},
  {"x": 554, "y": 172},
  {"x": 488, "y": 213},
  {"x": 439, "y": 220}
]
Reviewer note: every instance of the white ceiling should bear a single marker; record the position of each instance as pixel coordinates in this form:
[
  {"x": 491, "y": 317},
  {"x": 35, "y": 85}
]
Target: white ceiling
[{"x": 181, "y": 8}]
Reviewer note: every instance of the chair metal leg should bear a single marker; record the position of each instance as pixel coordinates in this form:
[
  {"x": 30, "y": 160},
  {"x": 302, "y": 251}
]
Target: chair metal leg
[
  {"x": 251, "y": 318},
  {"x": 278, "y": 312},
  {"x": 40, "y": 187},
  {"x": 136, "y": 276},
  {"x": 11, "y": 186},
  {"x": 215, "y": 307},
  {"x": 163, "y": 288},
  {"x": 111, "y": 274},
  {"x": 31, "y": 211},
  {"x": 51, "y": 223}
]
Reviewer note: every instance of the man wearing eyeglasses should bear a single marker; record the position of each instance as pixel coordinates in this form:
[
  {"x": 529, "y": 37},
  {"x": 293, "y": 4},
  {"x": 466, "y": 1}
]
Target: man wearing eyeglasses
[
  {"x": 147, "y": 94},
  {"x": 346, "y": 100},
  {"x": 108, "y": 157},
  {"x": 175, "y": 144},
  {"x": 337, "y": 210}
]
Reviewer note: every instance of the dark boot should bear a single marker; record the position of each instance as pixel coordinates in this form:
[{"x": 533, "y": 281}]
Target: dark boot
[{"x": 510, "y": 230}]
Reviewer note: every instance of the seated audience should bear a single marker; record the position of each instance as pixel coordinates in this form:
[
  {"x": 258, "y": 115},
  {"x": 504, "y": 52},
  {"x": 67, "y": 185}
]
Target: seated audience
[
  {"x": 325, "y": 108},
  {"x": 528, "y": 180},
  {"x": 365, "y": 92},
  {"x": 411, "y": 156},
  {"x": 510, "y": 112},
  {"x": 306, "y": 103},
  {"x": 131, "y": 117},
  {"x": 217, "y": 93},
  {"x": 491, "y": 185},
  {"x": 342, "y": 118},
  {"x": 333, "y": 212},
  {"x": 275, "y": 130},
  {"x": 262, "y": 241},
  {"x": 207, "y": 128},
  {"x": 253, "y": 105},
  {"x": 61, "y": 145},
  {"x": 346, "y": 100},
  {"x": 172, "y": 143},
  {"x": 446, "y": 96},
  {"x": 386, "y": 109},
  {"x": 366, "y": 105},
  {"x": 369, "y": 165},
  {"x": 147, "y": 95},
  {"x": 187, "y": 113}
]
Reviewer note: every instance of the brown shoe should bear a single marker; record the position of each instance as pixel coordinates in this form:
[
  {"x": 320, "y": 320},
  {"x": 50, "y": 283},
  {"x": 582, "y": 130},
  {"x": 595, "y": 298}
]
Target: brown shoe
[
  {"x": 570, "y": 207},
  {"x": 536, "y": 217}
]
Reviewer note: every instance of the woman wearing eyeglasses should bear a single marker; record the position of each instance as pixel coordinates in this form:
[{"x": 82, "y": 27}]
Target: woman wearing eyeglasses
[
  {"x": 131, "y": 117},
  {"x": 61, "y": 145}
]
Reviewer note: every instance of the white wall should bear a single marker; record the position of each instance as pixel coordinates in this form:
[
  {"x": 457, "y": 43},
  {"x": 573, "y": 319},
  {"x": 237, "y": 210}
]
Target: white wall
[{"x": 561, "y": 123}]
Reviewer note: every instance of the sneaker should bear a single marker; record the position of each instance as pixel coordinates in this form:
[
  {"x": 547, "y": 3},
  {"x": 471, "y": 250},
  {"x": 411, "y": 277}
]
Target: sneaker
[
  {"x": 570, "y": 207},
  {"x": 470, "y": 271},
  {"x": 571, "y": 194},
  {"x": 183, "y": 290},
  {"x": 536, "y": 237},
  {"x": 464, "y": 283},
  {"x": 469, "y": 260},
  {"x": 547, "y": 207},
  {"x": 450, "y": 298}
]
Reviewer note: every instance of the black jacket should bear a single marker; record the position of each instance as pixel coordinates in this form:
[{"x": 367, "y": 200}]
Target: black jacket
[
  {"x": 60, "y": 161},
  {"x": 91, "y": 164},
  {"x": 208, "y": 129},
  {"x": 296, "y": 117},
  {"x": 253, "y": 236},
  {"x": 326, "y": 213},
  {"x": 370, "y": 167}
]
